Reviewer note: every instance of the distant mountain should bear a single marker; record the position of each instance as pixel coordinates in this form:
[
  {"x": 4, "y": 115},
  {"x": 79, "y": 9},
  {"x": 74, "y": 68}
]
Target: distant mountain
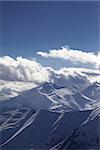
[
  {"x": 56, "y": 98},
  {"x": 9, "y": 89}
]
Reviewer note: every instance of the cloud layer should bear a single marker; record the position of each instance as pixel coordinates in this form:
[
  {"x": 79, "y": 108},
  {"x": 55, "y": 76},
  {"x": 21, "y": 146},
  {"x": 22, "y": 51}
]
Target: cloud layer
[
  {"x": 75, "y": 56},
  {"x": 26, "y": 70},
  {"x": 22, "y": 69}
]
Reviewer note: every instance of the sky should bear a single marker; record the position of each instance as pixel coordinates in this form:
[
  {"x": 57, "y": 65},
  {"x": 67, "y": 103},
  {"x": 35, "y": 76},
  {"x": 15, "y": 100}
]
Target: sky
[
  {"x": 41, "y": 41},
  {"x": 28, "y": 27}
]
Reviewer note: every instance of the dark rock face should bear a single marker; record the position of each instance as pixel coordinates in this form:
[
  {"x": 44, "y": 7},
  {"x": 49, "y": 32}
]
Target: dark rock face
[{"x": 44, "y": 130}]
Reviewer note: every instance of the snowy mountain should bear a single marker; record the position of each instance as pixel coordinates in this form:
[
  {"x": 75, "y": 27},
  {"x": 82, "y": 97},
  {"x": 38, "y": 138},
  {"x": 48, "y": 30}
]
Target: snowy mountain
[
  {"x": 52, "y": 116},
  {"x": 10, "y": 89},
  {"x": 44, "y": 130},
  {"x": 56, "y": 98},
  {"x": 86, "y": 136}
]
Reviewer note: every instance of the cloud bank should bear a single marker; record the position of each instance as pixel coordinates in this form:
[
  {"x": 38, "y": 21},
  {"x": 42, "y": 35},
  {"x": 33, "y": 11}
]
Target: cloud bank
[
  {"x": 22, "y": 69},
  {"x": 26, "y": 70},
  {"x": 75, "y": 56}
]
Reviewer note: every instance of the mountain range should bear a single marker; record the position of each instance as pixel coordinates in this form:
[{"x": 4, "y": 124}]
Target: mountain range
[{"x": 52, "y": 116}]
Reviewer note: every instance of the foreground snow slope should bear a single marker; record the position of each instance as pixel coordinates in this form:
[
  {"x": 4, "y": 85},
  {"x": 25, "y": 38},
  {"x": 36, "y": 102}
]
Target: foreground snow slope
[
  {"x": 44, "y": 130},
  {"x": 86, "y": 136}
]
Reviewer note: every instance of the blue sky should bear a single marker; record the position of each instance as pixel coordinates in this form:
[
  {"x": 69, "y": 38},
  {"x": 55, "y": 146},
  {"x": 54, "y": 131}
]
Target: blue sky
[{"x": 30, "y": 26}]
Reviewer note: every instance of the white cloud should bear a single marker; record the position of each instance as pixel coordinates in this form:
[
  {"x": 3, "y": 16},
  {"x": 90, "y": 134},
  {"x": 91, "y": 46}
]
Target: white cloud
[
  {"x": 26, "y": 70},
  {"x": 74, "y": 76},
  {"x": 80, "y": 74},
  {"x": 75, "y": 56},
  {"x": 22, "y": 69}
]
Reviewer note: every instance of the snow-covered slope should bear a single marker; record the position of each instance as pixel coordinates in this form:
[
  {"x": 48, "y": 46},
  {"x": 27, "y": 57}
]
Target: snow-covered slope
[
  {"x": 12, "y": 121},
  {"x": 69, "y": 98},
  {"x": 56, "y": 98},
  {"x": 9, "y": 89},
  {"x": 30, "y": 98},
  {"x": 44, "y": 130},
  {"x": 86, "y": 136},
  {"x": 24, "y": 123},
  {"x": 54, "y": 115},
  {"x": 75, "y": 79}
]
